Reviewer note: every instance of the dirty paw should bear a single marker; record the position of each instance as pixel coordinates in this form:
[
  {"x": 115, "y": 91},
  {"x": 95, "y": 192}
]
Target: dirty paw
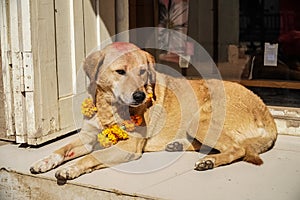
[
  {"x": 46, "y": 164},
  {"x": 68, "y": 173},
  {"x": 204, "y": 165},
  {"x": 174, "y": 146}
]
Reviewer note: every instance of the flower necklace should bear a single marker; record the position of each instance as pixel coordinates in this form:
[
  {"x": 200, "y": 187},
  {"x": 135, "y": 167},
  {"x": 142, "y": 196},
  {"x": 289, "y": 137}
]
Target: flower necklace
[
  {"x": 113, "y": 134},
  {"x": 88, "y": 108}
]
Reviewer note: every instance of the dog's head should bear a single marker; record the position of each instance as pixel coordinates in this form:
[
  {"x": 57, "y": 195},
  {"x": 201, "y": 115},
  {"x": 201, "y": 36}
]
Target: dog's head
[{"x": 122, "y": 70}]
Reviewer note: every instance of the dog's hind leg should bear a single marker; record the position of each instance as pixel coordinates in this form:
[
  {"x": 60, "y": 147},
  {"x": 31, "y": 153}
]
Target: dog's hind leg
[{"x": 226, "y": 156}]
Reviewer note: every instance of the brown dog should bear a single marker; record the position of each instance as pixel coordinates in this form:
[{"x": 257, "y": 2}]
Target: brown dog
[{"x": 219, "y": 114}]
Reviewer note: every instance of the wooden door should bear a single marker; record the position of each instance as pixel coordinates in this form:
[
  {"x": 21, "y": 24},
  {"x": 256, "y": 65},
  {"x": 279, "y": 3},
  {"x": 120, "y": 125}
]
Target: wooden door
[{"x": 43, "y": 44}]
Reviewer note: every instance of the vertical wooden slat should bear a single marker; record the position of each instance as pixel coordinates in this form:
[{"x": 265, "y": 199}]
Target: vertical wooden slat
[
  {"x": 106, "y": 11},
  {"x": 79, "y": 43},
  {"x": 44, "y": 63},
  {"x": 63, "y": 48},
  {"x": 122, "y": 19},
  {"x": 6, "y": 70},
  {"x": 17, "y": 72},
  {"x": 216, "y": 31},
  {"x": 72, "y": 21},
  {"x": 31, "y": 127},
  {"x": 26, "y": 25},
  {"x": 90, "y": 25},
  {"x": 81, "y": 82},
  {"x": 28, "y": 68},
  {"x": 72, "y": 45},
  {"x": 99, "y": 23},
  {"x": 73, "y": 12}
]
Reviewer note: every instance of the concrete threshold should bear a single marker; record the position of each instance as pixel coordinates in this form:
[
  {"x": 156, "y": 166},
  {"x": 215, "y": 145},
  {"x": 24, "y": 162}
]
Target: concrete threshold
[
  {"x": 159, "y": 175},
  {"x": 16, "y": 185}
]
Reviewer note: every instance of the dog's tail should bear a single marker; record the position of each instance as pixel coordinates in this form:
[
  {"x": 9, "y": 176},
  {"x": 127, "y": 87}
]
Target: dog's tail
[
  {"x": 255, "y": 146},
  {"x": 252, "y": 157}
]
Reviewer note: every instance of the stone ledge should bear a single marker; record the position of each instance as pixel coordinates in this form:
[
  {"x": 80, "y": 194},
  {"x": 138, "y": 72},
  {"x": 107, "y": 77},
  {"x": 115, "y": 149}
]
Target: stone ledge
[{"x": 15, "y": 185}]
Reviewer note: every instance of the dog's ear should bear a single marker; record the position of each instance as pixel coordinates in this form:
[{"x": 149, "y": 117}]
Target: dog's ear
[
  {"x": 151, "y": 69},
  {"x": 92, "y": 65},
  {"x": 151, "y": 75}
]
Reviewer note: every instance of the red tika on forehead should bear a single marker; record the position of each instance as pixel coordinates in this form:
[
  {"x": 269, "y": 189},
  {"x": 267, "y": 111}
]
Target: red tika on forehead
[{"x": 123, "y": 46}]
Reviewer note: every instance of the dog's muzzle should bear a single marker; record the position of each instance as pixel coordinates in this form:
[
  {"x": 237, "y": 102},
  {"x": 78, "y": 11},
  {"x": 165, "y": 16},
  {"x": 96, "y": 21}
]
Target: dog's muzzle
[{"x": 138, "y": 97}]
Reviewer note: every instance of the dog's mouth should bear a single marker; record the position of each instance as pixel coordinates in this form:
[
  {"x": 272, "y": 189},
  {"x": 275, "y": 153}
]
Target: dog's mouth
[
  {"x": 135, "y": 104},
  {"x": 131, "y": 104},
  {"x": 128, "y": 102},
  {"x": 135, "y": 100}
]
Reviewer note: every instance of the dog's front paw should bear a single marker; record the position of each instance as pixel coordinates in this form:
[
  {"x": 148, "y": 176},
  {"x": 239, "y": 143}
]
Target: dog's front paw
[
  {"x": 68, "y": 173},
  {"x": 46, "y": 164},
  {"x": 204, "y": 164}
]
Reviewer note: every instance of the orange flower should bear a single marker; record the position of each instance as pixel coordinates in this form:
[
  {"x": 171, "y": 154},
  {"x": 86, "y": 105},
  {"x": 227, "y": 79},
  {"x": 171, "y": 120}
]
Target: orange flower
[{"x": 138, "y": 120}]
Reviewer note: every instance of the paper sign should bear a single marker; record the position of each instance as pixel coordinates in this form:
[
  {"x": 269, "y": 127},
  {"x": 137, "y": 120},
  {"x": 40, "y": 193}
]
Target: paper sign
[{"x": 270, "y": 55}]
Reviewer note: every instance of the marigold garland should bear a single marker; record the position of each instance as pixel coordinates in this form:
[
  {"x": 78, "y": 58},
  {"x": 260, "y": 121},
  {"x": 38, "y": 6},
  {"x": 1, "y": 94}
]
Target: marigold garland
[
  {"x": 88, "y": 108},
  {"x": 150, "y": 97},
  {"x": 128, "y": 125},
  {"x": 112, "y": 135}
]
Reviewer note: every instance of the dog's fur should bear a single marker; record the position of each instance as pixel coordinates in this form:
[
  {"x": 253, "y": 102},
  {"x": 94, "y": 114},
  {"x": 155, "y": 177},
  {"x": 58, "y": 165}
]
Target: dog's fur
[{"x": 219, "y": 114}]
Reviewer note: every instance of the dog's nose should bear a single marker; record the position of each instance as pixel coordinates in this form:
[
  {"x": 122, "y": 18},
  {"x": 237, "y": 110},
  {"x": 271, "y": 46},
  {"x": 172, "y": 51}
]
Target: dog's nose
[{"x": 139, "y": 96}]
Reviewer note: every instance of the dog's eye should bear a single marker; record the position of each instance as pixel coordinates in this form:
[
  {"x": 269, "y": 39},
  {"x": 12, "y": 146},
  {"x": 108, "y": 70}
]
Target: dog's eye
[
  {"x": 121, "y": 71},
  {"x": 142, "y": 71}
]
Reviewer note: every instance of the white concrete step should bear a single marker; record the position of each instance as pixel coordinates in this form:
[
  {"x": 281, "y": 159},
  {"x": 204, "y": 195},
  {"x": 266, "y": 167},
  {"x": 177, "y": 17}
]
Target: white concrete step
[{"x": 160, "y": 175}]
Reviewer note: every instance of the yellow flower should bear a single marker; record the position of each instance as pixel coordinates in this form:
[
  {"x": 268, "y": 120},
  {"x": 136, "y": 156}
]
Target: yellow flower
[
  {"x": 129, "y": 125},
  {"x": 150, "y": 95},
  {"x": 119, "y": 133},
  {"x": 88, "y": 108},
  {"x": 111, "y": 136},
  {"x": 104, "y": 141}
]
